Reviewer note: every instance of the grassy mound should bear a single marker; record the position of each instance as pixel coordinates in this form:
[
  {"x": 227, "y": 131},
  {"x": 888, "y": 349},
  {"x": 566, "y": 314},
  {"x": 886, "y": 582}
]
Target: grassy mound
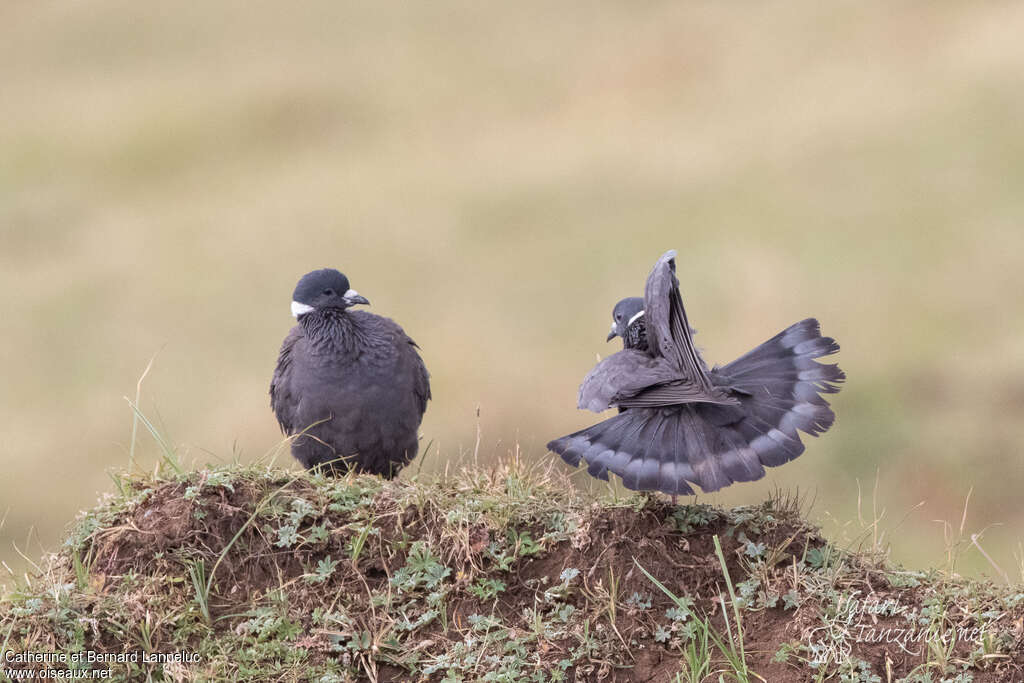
[{"x": 499, "y": 575}]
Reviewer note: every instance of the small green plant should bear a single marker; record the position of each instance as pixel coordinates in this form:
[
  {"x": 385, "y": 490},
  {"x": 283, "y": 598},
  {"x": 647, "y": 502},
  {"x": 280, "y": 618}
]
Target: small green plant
[
  {"x": 422, "y": 569},
  {"x": 678, "y": 613},
  {"x": 358, "y": 542},
  {"x": 287, "y": 536},
  {"x": 167, "y": 452},
  {"x": 524, "y": 543},
  {"x": 301, "y": 509},
  {"x": 696, "y": 657},
  {"x": 818, "y": 558},
  {"x": 750, "y": 548},
  {"x": 317, "y": 533},
  {"x": 733, "y": 653},
  {"x": 487, "y": 588},
  {"x": 201, "y": 585},
  {"x": 561, "y": 590},
  {"x": 639, "y": 600},
  {"x": 689, "y": 518},
  {"x": 269, "y": 624},
  {"x": 82, "y": 568},
  {"x": 324, "y": 569}
]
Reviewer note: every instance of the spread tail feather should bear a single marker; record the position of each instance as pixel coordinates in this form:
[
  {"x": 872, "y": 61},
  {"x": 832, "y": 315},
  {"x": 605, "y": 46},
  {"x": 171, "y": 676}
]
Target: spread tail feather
[
  {"x": 662, "y": 449},
  {"x": 781, "y": 386}
]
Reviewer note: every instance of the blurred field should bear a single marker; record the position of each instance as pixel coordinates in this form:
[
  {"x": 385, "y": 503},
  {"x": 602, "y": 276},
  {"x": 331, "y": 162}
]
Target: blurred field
[{"x": 494, "y": 178}]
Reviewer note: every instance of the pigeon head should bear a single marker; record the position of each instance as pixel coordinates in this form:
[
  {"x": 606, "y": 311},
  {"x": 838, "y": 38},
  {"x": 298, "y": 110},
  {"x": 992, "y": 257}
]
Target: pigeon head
[
  {"x": 324, "y": 289},
  {"x": 626, "y": 313}
]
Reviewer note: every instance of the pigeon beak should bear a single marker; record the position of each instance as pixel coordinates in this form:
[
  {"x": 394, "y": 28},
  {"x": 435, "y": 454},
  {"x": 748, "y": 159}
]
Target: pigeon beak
[
  {"x": 352, "y": 297},
  {"x": 613, "y": 334}
]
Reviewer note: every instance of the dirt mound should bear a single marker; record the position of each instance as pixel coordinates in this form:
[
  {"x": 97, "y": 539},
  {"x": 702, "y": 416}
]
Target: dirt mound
[{"x": 502, "y": 575}]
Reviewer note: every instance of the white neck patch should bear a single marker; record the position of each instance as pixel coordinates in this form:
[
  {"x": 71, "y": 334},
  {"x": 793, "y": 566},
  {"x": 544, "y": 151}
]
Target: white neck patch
[
  {"x": 298, "y": 309},
  {"x": 631, "y": 320}
]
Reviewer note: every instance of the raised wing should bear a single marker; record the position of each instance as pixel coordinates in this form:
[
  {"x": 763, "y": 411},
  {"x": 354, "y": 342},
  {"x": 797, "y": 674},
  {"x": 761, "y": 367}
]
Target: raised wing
[{"x": 668, "y": 330}]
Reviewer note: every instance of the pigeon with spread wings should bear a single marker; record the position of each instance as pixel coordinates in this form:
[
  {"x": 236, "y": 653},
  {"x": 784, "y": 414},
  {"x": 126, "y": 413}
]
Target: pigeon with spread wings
[{"x": 681, "y": 423}]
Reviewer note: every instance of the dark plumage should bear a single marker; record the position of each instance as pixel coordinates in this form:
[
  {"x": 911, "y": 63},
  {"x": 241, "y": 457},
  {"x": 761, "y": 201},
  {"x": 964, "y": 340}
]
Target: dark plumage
[
  {"x": 681, "y": 423},
  {"x": 349, "y": 385}
]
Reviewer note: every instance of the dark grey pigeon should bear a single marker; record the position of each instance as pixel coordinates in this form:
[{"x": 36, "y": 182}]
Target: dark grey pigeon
[
  {"x": 681, "y": 423},
  {"x": 349, "y": 385}
]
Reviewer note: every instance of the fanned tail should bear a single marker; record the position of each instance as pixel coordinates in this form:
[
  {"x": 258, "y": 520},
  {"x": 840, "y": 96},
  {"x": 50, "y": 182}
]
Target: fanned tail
[
  {"x": 780, "y": 386},
  {"x": 637, "y": 445}
]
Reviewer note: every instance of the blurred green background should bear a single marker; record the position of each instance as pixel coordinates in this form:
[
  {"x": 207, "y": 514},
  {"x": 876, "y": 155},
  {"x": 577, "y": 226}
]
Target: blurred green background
[{"x": 495, "y": 177}]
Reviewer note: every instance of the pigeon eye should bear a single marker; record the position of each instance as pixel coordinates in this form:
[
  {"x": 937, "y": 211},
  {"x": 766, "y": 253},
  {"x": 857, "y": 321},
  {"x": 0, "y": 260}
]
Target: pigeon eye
[
  {"x": 618, "y": 317},
  {"x": 328, "y": 292}
]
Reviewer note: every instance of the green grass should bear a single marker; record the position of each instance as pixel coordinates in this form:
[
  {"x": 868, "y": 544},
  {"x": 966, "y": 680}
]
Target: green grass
[{"x": 499, "y": 574}]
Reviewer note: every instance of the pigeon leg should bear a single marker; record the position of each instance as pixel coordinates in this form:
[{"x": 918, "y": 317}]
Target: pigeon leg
[{"x": 675, "y": 498}]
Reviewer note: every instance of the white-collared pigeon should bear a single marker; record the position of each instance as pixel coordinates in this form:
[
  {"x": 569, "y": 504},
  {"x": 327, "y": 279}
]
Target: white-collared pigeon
[
  {"x": 681, "y": 423},
  {"x": 349, "y": 386}
]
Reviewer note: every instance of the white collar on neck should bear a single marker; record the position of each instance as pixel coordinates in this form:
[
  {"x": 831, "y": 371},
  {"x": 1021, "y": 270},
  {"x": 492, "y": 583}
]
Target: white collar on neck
[{"x": 298, "y": 309}]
